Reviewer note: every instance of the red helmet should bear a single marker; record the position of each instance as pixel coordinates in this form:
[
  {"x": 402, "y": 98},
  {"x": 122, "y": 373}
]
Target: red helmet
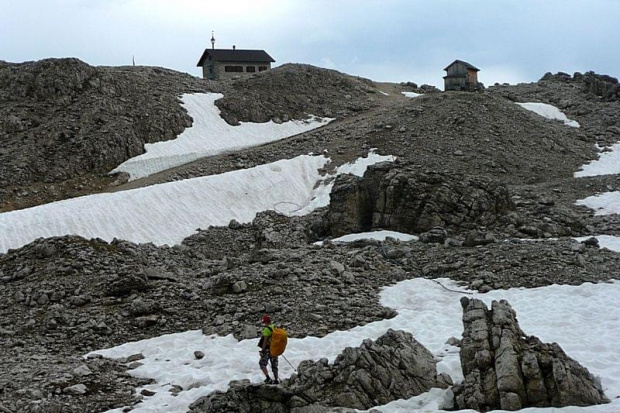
[{"x": 266, "y": 319}]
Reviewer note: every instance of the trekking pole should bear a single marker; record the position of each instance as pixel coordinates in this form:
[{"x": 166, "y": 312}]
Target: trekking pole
[{"x": 289, "y": 363}]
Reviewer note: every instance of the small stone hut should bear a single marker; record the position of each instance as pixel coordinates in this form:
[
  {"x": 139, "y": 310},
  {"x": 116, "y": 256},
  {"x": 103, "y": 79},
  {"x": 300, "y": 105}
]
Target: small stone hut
[
  {"x": 226, "y": 63},
  {"x": 461, "y": 76}
]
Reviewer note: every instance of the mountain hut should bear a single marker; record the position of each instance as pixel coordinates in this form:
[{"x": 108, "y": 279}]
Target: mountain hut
[
  {"x": 226, "y": 63},
  {"x": 461, "y": 76}
]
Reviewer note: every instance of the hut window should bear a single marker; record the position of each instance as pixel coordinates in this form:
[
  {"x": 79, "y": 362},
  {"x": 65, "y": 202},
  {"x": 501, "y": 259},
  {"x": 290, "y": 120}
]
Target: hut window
[
  {"x": 250, "y": 69},
  {"x": 233, "y": 68},
  {"x": 262, "y": 68}
]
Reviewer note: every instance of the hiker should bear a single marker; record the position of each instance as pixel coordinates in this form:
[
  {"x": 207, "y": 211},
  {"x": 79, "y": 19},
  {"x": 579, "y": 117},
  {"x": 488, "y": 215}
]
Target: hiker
[{"x": 265, "y": 355}]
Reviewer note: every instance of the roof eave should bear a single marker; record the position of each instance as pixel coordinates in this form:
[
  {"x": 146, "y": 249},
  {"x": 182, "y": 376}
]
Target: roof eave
[
  {"x": 202, "y": 58},
  {"x": 468, "y": 65}
]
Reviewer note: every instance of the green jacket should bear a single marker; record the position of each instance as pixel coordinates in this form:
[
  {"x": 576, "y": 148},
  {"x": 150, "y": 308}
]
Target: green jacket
[{"x": 266, "y": 335}]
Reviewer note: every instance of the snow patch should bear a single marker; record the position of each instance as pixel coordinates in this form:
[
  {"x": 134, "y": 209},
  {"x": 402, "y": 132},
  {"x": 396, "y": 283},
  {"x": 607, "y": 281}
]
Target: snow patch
[
  {"x": 425, "y": 309},
  {"x": 359, "y": 166},
  {"x": 606, "y": 203},
  {"x": 411, "y": 94},
  {"x": 167, "y": 213},
  {"x": 608, "y": 163},
  {"x": 376, "y": 235},
  {"x": 209, "y": 135},
  {"x": 550, "y": 112}
]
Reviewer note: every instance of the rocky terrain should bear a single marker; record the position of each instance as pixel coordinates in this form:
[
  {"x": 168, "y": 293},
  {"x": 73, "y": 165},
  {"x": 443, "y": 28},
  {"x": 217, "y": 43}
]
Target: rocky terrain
[
  {"x": 351, "y": 382},
  {"x": 481, "y": 181},
  {"x": 504, "y": 369},
  {"x": 260, "y": 99},
  {"x": 64, "y": 125}
]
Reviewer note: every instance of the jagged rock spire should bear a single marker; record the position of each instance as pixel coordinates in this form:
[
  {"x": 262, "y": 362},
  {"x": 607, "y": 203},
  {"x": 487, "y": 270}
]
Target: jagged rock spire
[{"x": 506, "y": 369}]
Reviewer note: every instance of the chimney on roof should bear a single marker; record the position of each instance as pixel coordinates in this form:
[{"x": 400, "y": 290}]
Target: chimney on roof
[
  {"x": 212, "y": 41},
  {"x": 234, "y": 47}
]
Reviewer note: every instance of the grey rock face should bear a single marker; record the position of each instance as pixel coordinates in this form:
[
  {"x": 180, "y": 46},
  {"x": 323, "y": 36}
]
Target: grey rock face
[
  {"x": 505, "y": 369},
  {"x": 604, "y": 86},
  {"x": 393, "y": 367},
  {"x": 124, "y": 284},
  {"x": 66, "y": 123},
  {"x": 273, "y": 230},
  {"x": 403, "y": 198}
]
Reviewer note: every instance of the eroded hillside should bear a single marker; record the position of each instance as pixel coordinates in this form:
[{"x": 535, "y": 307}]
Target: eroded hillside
[{"x": 64, "y": 125}]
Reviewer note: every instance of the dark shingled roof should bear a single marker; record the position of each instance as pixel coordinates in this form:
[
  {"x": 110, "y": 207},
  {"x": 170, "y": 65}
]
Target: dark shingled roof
[
  {"x": 236, "y": 55},
  {"x": 467, "y": 65}
]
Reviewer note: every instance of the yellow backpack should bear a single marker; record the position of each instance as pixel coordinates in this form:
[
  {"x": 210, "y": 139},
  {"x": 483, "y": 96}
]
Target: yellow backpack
[{"x": 279, "y": 338}]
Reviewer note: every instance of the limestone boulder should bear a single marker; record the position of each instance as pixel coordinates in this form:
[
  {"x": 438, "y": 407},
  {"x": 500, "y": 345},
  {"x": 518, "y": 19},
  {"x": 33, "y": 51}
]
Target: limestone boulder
[
  {"x": 506, "y": 369},
  {"x": 404, "y": 198}
]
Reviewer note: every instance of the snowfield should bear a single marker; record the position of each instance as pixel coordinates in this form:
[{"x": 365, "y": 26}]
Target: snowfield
[
  {"x": 582, "y": 319},
  {"x": 603, "y": 204},
  {"x": 168, "y": 213},
  {"x": 209, "y": 135},
  {"x": 550, "y": 112},
  {"x": 608, "y": 163}
]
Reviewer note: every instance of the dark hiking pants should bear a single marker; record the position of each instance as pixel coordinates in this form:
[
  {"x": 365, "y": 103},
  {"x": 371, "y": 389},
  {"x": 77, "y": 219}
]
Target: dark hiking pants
[{"x": 265, "y": 358}]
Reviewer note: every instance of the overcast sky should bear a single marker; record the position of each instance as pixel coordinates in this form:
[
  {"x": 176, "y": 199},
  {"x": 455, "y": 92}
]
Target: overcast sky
[{"x": 384, "y": 40}]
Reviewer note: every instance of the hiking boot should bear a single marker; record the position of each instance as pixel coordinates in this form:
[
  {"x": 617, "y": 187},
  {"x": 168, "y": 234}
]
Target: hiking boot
[
  {"x": 268, "y": 380},
  {"x": 276, "y": 381}
]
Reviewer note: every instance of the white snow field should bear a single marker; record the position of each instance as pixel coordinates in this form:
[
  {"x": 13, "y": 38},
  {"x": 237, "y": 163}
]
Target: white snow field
[
  {"x": 608, "y": 163},
  {"x": 550, "y": 112},
  {"x": 604, "y": 204},
  {"x": 582, "y": 319},
  {"x": 168, "y": 213},
  {"x": 411, "y": 94},
  {"x": 376, "y": 235},
  {"x": 209, "y": 135}
]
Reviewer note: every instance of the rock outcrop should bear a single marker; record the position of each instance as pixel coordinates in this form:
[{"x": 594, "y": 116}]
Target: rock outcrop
[
  {"x": 603, "y": 86},
  {"x": 404, "y": 198},
  {"x": 505, "y": 369},
  {"x": 64, "y": 123},
  {"x": 395, "y": 366}
]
